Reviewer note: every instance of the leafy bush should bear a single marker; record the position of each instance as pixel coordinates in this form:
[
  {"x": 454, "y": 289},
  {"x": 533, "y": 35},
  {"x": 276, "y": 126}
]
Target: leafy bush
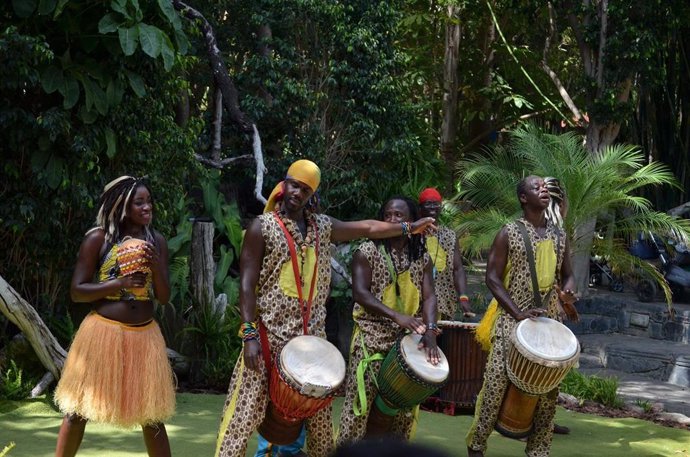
[
  {"x": 212, "y": 338},
  {"x": 13, "y": 384},
  {"x": 594, "y": 388}
]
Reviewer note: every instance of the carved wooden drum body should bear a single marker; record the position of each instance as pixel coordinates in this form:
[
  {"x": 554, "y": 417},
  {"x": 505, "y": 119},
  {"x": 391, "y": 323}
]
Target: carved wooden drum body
[
  {"x": 467, "y": 363},
  {"x": 305, "y": 375},
  {"x": 405, "y": 380},
  {"x": 541, "y": 353}
]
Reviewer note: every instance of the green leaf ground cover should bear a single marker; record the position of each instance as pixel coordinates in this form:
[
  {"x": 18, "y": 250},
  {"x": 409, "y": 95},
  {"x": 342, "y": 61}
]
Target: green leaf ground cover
[{"x": 33, "y": 426}]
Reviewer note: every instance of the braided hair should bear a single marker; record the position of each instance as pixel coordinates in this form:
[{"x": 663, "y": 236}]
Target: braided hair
[
  {"x": 115, "y": 199},
  {"x": 557, "y": 193},
  {"x": 415, "y": 244}
]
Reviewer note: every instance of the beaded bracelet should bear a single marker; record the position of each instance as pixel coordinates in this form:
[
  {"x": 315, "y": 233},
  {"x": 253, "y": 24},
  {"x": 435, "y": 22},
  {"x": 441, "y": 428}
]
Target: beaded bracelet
[
  {"x": 433, "y": 326},
  {"x": 248, "y": 331},
  {"x": 406, "y": 228}
]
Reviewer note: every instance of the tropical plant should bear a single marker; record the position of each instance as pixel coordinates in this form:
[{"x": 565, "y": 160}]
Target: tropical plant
[
  {"x": 594, "y": 388},
  {"x": 14, "y": 385},
  {"x": 603, "y": 187},
  {"x": 6, "y": 450}
]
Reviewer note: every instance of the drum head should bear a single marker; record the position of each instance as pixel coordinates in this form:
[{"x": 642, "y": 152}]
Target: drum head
[
  {"x": 457, "y": 324},
  {"x": 310, "y": 360},
  {"x": 547, "y": 339},
  {"x": 416, "y": 360}
]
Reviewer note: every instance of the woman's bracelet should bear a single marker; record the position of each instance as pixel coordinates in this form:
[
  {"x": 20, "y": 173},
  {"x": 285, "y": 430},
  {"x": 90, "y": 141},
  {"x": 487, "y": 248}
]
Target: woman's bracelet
[{"x": 406, "y": 228}]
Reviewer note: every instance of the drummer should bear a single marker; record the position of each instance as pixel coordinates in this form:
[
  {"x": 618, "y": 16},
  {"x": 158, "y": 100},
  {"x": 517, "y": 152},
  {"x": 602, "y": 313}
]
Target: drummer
[
  {"x": 443, "y": 248},
  {"x": 389, "y": 280},
  {"x": 271, "y": 293},
  {"x": 508, "y": 278}
]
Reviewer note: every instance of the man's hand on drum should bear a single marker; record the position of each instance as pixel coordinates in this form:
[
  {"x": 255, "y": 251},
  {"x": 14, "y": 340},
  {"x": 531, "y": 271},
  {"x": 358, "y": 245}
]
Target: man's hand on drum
[
  {"x": 530, "y": 313},
  {"x": 413, "y": 324},
  {"x": 252, "y": 353},
  {"x": 567, "y": 299},
  {"x": 428, "y": 343}
]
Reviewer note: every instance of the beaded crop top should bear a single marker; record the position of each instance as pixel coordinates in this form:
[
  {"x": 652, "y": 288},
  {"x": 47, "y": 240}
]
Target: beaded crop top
[{"x": 110, "y": 269}]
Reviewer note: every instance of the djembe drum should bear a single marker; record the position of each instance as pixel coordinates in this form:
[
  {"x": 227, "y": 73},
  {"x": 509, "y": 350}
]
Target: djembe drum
[
  {"x": 541, "y": 353},
  {"x": 304, "y": 378},
  {"x": 405, "y": 380},
  {"x": 131, "y": 258},
  {"x": 468, "y": 362}
]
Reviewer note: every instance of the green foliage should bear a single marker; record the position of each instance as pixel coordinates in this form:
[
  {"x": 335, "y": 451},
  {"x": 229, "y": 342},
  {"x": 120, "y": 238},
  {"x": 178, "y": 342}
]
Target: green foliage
[
  {"x": 212, "y": 338},
  {"x": 645, "y": 405},
  {"x": 62, "y": 327},
  {"x": 77, "y": 112},
  {"x": 327, "y": 88},
  {"x": 6, "y": 450},
  {"x": 594, "y": 388},
  {"x": 14, "y": 385}
]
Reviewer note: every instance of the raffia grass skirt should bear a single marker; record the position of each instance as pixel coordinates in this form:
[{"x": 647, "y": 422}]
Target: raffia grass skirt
[{"x": 117, "y": 374}]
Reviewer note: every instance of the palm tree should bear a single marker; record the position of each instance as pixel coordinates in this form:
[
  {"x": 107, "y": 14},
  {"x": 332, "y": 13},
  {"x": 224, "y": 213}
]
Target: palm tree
[{"x": 602, "y": 192}]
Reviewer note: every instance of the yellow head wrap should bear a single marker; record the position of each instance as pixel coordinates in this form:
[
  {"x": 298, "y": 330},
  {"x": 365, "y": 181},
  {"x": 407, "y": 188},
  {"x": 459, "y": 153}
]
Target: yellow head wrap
[{"x": 304, "y": 171}]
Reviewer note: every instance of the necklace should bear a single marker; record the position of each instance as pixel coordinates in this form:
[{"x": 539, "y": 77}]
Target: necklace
[
  {"x": 304, "y": 242},
  {"x": 291, "y": 234}
]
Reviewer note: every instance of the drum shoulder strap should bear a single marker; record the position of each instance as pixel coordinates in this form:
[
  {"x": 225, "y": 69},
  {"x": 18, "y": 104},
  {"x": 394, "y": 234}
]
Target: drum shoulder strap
[{"x": 529, "y": 252}]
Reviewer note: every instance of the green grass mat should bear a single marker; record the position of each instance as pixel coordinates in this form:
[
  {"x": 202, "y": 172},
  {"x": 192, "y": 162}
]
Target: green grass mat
[{"x": 33, "y": 426}]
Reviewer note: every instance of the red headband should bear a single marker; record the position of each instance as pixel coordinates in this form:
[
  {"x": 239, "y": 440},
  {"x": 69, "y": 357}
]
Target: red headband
[{"x": 430, "y": 194}]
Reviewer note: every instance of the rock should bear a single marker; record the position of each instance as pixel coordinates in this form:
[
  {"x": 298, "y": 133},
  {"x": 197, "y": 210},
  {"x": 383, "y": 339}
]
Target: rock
[
  {"x": 675, "y": 417},
  {"x": 567, "y": 399},
  {"x": 179, "y": 362}
]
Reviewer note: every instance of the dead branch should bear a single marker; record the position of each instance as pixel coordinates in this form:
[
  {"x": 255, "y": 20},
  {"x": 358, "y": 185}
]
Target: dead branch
[
  {"x": 221, "y": 163},
  {"x": 220, "y": 71},
  {"x": 23, "y": 315},
  {"x": 552, "y": 74}
]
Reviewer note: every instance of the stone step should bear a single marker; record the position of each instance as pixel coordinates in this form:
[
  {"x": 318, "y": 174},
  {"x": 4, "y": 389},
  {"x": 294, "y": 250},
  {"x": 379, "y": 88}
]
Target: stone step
[
  {"x": 657, "y": 359},
  {"x": 623, "y": 313}
]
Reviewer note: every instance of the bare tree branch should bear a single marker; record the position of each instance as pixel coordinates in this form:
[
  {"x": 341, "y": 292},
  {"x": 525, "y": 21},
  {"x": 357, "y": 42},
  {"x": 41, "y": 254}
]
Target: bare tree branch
[
  {"x": 217, "y": 125},
  {"x": 604, "y": 14},
  {"x": 552, "y": 74},
  {"x": 220, "y": 164},
  {"x": 23, "y": 315},
  {"x": 260, "y": 167},
  {"x": 585, "y": 51},
  {"x": 220, "y": 71}
]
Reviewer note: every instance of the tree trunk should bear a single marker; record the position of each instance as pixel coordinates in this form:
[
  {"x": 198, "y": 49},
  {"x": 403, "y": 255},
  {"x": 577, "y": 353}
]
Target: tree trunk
[
  {"x": 23, "y": 315},
  {"x": 449, "y": 125},
  {"x": 581, "y": 248},
  {"x": 203, "y": 267}
]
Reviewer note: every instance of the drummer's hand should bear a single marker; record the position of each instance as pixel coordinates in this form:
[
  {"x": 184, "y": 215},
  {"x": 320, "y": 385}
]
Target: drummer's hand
[
  {"x": 568, "y": 298},
  {"x": 134, "y": 281},
  {"x": 530, "y": 313},
  {"x": 413, "y": 324},
  {"x": 423, "y": 225},
  {"x": 428, "y": 343},
  {"x": 252, "y": 353}
]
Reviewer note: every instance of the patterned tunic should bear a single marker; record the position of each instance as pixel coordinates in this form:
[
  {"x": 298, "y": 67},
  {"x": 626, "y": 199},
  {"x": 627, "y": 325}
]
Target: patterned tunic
[
  {"x": 495, "y": 376},
  {"x": 379, "y": 334},
  {"x": 279, "y": 309},
  {"x": 441, "y": 249}
]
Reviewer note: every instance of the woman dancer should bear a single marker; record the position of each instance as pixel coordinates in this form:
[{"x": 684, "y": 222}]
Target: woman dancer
[{"x": 117, "y": 371}]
